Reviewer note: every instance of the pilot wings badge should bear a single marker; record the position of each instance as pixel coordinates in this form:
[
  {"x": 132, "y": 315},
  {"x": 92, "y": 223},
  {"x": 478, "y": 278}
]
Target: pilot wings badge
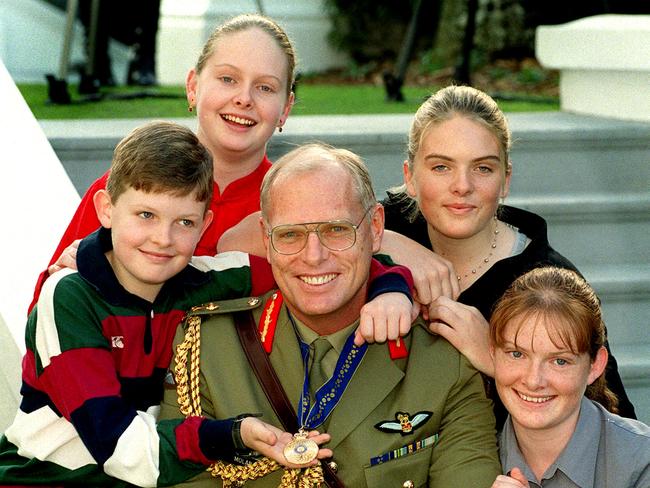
[{"x": 404, "y": 423}]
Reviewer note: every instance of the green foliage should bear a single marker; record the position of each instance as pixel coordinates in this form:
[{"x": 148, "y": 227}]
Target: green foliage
[
  {"x": 531, "y": 75},
  {"x": 498, "y": 72},
  {"x": 501, "y": 28},
  {"x": 429, "y": 63},
  {"x": 360, "y": 71},
  {"x": 370, "y": 29}
]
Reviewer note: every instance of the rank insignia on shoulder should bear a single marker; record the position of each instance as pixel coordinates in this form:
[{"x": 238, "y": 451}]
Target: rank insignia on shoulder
[
  {"x": 404, "y": 423},
  {"x": 206, "y": 307},
  {"x": 223, "y": 307}
]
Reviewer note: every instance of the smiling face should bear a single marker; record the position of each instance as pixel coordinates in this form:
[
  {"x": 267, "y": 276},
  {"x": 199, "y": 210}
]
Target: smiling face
[
  {"x": 458, "y": 177},
  {"x": 324, "y": 289},
  {"x": 153, "y": 234},
  {"x": 241, "y": 94},
  {"x": 540, "y": 380}
]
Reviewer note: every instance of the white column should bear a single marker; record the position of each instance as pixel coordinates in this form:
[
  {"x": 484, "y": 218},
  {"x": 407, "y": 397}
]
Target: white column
[{"x": 37, "y": 201}]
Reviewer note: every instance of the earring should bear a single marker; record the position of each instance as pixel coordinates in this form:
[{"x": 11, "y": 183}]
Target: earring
[
  {"x": 280, "y": 129},
  {"x": 190, "y": 108}
]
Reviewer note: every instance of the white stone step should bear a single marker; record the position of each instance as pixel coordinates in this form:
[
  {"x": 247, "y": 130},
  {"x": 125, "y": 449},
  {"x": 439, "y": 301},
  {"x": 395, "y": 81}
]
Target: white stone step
[
  {"x": 553, "y": 153},
  {"x": 595, "y": 229}
]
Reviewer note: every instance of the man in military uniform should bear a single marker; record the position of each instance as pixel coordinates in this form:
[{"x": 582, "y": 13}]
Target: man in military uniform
[{"x": 410, "y": 413}]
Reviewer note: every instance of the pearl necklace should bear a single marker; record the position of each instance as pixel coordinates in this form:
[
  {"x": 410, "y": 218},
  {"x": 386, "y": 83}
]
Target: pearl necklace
[{"x": 486, "y": 260}]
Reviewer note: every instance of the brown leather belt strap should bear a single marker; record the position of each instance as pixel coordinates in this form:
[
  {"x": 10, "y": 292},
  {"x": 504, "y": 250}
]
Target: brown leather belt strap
[
  {"x": 261, "y": 364},
  {"x": 259, "y": 361}
]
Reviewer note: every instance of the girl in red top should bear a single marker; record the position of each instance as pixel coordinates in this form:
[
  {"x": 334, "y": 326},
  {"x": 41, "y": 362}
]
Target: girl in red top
[{"x": 241, "y": 92}]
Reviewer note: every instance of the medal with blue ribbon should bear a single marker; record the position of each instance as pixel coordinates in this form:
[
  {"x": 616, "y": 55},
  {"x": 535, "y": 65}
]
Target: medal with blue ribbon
[
  {"x": 301, "y": 450},
  {"x": 313, "y": 414}
]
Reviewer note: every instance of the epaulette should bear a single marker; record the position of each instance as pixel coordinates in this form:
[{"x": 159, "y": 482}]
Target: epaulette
[
  {"x": 187, "y": 354},
  {"x": 224, "y": 306}
]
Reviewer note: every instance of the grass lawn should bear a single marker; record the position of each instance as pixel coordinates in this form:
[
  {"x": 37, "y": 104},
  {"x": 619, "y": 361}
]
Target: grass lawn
[{"x": 312, "y": 99}]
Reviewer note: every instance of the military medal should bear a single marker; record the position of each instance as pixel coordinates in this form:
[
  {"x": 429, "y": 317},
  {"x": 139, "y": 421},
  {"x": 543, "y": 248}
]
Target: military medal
[{"x": 300, "y": 449}]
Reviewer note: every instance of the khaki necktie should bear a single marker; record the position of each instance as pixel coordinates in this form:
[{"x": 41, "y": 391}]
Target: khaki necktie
[{"x": 318, "y": 373}]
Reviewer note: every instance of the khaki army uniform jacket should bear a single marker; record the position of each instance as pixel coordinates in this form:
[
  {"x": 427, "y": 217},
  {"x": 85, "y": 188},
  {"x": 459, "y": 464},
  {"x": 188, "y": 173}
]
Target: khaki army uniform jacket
[{"x": 455, "y": 447}]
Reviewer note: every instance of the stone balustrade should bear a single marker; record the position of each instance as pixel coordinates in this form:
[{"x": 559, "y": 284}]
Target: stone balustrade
[{"x": 604, "y": 64}]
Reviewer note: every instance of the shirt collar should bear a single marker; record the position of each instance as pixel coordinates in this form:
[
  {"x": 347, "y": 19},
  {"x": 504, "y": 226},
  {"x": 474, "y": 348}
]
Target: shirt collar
[
  {"x": 585, "y": 439},
  {"x": 94, "y": 268},
  {"x": 251, "y": 180},
  {"x": 337, "y": 339},
  {"x": 528, "y": 223},
  {"x": 512, "y": 457}
]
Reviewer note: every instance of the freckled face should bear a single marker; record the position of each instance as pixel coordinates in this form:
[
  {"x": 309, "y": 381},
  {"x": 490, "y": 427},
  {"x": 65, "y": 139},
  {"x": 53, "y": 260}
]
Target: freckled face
[
  {"x": 541, "y": 383},
  {"x": 154, "y": 236},
  {"x": 241, "y": 94},
  {"x": 458, "y": 178}
]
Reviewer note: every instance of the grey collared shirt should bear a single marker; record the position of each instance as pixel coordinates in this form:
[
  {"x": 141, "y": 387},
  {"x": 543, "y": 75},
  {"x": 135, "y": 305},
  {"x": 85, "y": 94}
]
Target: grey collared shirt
[{"x": 605, "y": 451}]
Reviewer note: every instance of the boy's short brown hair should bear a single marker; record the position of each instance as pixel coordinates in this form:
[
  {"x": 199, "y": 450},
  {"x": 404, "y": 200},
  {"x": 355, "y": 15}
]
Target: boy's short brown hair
[{"x": 161, "y": 157}]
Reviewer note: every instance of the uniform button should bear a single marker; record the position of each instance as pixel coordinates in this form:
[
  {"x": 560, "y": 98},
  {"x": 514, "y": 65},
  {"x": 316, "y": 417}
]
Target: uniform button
[
  {"x": 408, "y": 484},
  {"x": 333, "y": 466}
]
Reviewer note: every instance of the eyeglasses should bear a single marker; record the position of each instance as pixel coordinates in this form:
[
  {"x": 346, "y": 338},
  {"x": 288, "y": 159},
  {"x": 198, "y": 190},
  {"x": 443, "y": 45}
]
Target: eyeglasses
[{"x": 335, "y": 235}]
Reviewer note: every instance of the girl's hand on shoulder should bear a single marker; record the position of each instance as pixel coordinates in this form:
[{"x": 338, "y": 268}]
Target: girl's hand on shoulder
[
  {"x": 465, "y": 328},
  {"x": 271, "y": 441},
  {"x": 387, "y": 317},
  {"x": 67, "y": 259},
  {"x": 515, "y": 480}
]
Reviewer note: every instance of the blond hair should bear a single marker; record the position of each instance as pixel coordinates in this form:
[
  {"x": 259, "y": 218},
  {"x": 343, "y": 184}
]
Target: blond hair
[
  {"x": 443, "y": 105},
  {"x": 244, "y": 22}
]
